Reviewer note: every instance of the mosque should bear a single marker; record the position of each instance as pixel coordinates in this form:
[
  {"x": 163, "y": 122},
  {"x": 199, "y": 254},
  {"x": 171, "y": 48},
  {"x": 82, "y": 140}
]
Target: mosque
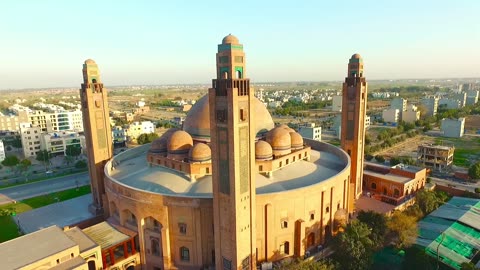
[{"x": 229, "y": 189}]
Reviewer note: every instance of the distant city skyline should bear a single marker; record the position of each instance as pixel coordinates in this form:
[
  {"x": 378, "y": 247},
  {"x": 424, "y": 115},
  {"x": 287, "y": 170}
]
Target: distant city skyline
[{"x": 44, "y": 43}]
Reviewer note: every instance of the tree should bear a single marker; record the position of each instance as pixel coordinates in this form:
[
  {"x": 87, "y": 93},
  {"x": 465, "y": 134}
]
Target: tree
[
  {"x": 353, "y": 248},
  {"x": 474, "y": 171},
  {"x": 378, "y": 225},
  {"x": 468, "y": 266},
  {"x": 380, "y": 159},
  {"x": 80, "y": 164},
  {"x": 73, "y": 150},
  {"x": 403, "y": 229},
  {"x": 10, "y": 161},
  {"x": 146, "y": 138},
  {"x": 394, "y": 161},
  {"x": 417, "y": 258},
  {"x": 428, "y": 200},
  {"x": 368, "y": 157},
  {"x": 17, "y": 143},
  {"x": 306, "y": 265},
  {"x": 43, "y": 155}
]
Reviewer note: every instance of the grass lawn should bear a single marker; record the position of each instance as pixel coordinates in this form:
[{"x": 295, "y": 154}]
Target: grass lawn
[
  {"x": 9, "y": 228},
  {"x": 467, "y": 149}
]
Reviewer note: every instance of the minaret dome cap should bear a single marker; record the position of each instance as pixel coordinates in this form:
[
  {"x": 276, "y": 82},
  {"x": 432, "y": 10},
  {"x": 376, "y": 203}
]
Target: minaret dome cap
[
  {"x": 356, "y": 56},
  {"x": 89, "y": 61},
  {"x": 230, "y": 39}
]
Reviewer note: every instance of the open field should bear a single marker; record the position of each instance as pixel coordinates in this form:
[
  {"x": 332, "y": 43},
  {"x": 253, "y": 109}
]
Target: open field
[
  {"x": 467, "y": 149},
  {"x": 472, "y": 123},
  {"x": 407, "y": 148},
  {"x": 9, "y": 228}
]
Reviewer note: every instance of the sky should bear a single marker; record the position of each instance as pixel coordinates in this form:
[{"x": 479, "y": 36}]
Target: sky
[{"x": 44, "y": 43}]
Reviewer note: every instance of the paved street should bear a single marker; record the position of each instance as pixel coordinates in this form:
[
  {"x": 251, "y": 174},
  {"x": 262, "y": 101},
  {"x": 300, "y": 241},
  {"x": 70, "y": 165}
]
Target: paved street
[
  {"x": 21, "y": 192},
  {"x": 444, "y": 182}
]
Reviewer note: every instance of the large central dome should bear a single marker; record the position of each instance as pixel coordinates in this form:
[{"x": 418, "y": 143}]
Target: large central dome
[{"x": 197, "y": 122}]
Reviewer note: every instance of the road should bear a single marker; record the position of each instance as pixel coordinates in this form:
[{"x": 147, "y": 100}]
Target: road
[
  {"x": 17, "y": 193},
  {"x": 445, "y": 182}
]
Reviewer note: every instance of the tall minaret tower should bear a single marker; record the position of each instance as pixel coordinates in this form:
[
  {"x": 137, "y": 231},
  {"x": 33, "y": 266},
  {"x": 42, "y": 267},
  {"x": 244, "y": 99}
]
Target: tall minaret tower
[
  {"x": 232, "y": 140},
  {"x": 354, "y": 107},
  {"x": 98, "y": 135}
]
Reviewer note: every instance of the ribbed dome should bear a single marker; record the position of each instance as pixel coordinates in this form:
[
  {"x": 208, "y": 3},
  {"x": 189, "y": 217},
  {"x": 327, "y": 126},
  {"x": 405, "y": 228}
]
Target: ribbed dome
[
  {"x": 289, "y": 129},
  {"x": 197, "y": 122},
  {"x": 230, "y": 39},
  {"x": 160, "y": 145},
  {"x": 200, "y": 152},
  {"x": 89, "y": 61},
  {"x": 279, "y": 139},
  {"x": 263, "y": 150},
  {"x": 297, "y": 140},
  {"x": 180, "y": 142}
]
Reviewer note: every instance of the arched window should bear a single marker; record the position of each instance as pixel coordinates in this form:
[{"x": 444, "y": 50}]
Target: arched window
[
  {"x": 238, "y": 74},
  {"x": 327, "y": 210},
  {"x": 285, "y": 248},
  {"x": 374, "y": 186},
  {"x": 184, "y": 254},
  {"x": 396, "y": 192},
  {"x": 155, "y": 247},
  {"x": 91, "y": 265}
]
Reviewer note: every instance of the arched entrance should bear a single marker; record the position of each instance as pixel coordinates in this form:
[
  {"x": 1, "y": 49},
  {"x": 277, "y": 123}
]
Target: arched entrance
[
  {"x": 91, "y": 265},
  {"x": 310, "y": 240},
  {"x": 328, "y": 233}
]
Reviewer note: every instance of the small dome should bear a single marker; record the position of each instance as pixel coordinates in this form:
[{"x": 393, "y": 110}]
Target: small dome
[
  {"x": 200, "y": 152},
  {"x": 159, "y": 145},
  {"x": 297, "y": 140},
  {"x": 356, "y": 56},
  {"x": 230, "y": 39},
  {"x": 89, "y": 61},
  {"x": 263, "y": 150},
  {"x": 180, "y": 142},
  {"x": 279, "y": 139}
]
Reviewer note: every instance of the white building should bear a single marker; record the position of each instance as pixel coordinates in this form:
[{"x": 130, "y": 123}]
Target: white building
[
  {"x": 12, "y": 122},
  {"x": 57, "y": 121},
  {"x": 391, "y": 115},
  {"x": 449, "y": 103},
  {"x": 136, "y": 128},
  {"x": 2, "y": 151},
  {"x": 472, "y": 97},
  {"x": 453, "y": 128},
  {"x": 56, "y": 143},
  {"x": 30, "y": 136},
  {"x": 410, "y": 116},
  {"x": 398, "y": 103},
  {"x": 310, "y": 131},
  {"x": 119, "y": 137},
  {"x": 367, "y": 121},
  {"x": 337, "y": 103},
  {"x": 462, "y": 97},
  {"x": 431, "y": 105}
]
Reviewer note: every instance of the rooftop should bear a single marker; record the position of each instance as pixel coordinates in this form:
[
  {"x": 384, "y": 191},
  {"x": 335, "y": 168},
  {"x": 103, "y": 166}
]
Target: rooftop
[
  {"x": 132, "y": 169},
  {"x": 388, "y": 176},
  {"x": 84, "y": 242},
  {"x": 66, "y": 213},
  {"x": 20, "y": 252},
  {"x": 105, "y": 235}
]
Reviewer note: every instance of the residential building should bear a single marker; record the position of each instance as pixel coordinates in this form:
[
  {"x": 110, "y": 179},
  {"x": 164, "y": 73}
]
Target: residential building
[
  {"x": 438, "y": 157},
  {"x": 472, "y": 97},
  {"x": 337, "y": 103},
  {"x": 410, "y": 116},
  {"x": 449, "y": 103},
  {"x": 12, "y": 122},
  {"x": 119, "y": 137},
  {"x": 57, "y": 142},
  {"x": 31, "y": 141},
  {"x": 453, "y": 128},
  {"x": 462, "y": 97},
  {"x": 431, "y": 105},
  {"x": 310, "y": 131},
  {"x": 391, "y": 115},
  {"x": 57, "y": 121},
  {"x": 367, "y": 121},
  {"x": 398, "y": 103},
  {"x": 136, "y": 128},
  {"x": 2, "y": 151}
]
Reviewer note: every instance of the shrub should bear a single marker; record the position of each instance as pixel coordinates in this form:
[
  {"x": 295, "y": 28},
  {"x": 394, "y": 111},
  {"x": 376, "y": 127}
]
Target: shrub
[
  {"x": 477, "y": 190},
  {"x": 380, "y": 159}
]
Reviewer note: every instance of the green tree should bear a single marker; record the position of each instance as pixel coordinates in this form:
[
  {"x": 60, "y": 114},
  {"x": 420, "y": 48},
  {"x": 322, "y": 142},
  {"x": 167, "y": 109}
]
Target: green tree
[
  {"x": 17, "y": 143},
  {"x": 474, "y": 171},
  {"x": 43, "y": 155},
  {"x": 146, "y": 138},
  {"x": 380, "y": 158},
  {"x": 80, "y": 164},
  {"x": 428, "y": 200},
  {"x": 378, "y": 225},
  {"x": 394, "y": 161},
  {"x": 306, "y": 265},
  {"x": 10, "y": 161},
  {"x": 417, "y": 258},
  {"x": 468, "y": 266},
  {"x": 403, "y": 229},
  {"x": 73, "y": 150},
  {"x": 353, "y": 248}
]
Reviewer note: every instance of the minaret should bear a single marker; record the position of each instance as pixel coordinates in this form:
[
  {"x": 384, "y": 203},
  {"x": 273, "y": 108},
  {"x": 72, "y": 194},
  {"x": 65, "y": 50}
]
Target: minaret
[
  {"x": 354, "y": 107},
  {"x": 232, "y": 141},
  {"x": 98, "y": 135}
]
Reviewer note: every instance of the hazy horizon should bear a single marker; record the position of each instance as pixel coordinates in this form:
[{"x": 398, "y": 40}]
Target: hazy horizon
[{"x": 44, "y": 43}]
